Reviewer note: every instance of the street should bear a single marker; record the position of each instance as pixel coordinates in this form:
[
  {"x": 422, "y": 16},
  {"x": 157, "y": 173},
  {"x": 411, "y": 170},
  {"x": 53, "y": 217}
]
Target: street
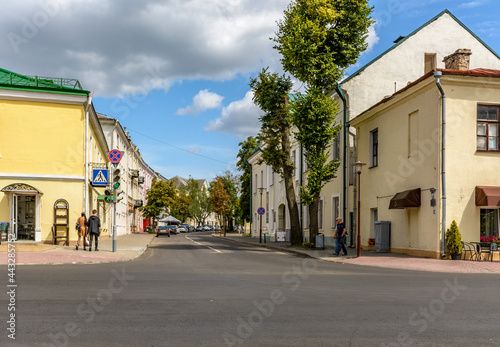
[{"x": 195, "y": 290}]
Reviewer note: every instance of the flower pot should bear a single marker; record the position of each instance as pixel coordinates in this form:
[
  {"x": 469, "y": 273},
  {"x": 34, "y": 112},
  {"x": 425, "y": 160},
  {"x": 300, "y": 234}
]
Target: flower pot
[{"x": 456, "y": 256}]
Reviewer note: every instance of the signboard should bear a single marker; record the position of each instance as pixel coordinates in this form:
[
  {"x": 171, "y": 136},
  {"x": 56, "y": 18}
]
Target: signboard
[
  {"x": 100, "y": 177},
  {"x": 115, "y": 156},
  {"x": 280, "y": 235},
  {"x": 261, "y": 210}
]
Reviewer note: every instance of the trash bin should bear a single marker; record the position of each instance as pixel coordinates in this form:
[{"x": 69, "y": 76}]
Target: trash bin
[
  {"x": 382, "y": 236},
  {"x": 319, "y": 241}
]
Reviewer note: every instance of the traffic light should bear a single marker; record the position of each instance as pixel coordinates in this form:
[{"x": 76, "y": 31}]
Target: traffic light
[
  {"x": 116, "y": 186},
  {"x": 116, "y": 178},
  {"x": 108, "y": 195}
]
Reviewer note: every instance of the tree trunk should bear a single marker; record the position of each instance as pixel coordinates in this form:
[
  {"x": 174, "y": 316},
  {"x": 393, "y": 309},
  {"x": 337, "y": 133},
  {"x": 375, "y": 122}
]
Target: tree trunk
[
  {"x": 313, "y": 220},
  {"x": 293, "y": 209}
]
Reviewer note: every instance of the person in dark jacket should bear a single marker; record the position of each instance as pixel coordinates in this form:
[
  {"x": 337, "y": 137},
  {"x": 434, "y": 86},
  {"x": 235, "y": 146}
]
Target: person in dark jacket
[
  {"x": 94, "y": 229},
  {"x": 340, "y": 238}
]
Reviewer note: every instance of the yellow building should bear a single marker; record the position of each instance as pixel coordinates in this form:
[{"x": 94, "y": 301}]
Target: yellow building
[
  {"x": 50, "y": 142},
  {"x": 432, "y": 156}
]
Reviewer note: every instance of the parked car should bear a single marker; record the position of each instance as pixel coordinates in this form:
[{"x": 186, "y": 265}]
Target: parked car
[
  {"x": 199, "y": 228},
  {"x": 162, "y": 230},
  {"x": 186, "y": 226},
  {"x": 191, "y": 228},
  {"x": 206, "y": 228},
  {"x": 181, "y": 229},
  {"x": 217, "y": 228},
  {"x": 173, "y": 229}
]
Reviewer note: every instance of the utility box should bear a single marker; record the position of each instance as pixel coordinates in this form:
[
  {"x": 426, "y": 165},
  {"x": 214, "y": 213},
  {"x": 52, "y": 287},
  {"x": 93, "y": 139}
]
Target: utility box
[
  {"x": 382, "y": 236},
  {"x": 319, "y": 241}
]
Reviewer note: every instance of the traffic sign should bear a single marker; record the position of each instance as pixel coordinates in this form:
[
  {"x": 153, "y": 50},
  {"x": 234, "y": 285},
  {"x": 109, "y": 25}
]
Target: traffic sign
[
  {"x": 261, "y": 210},
  {"x": 115, "y": 156},
  {"x": 100, "y": 177}
]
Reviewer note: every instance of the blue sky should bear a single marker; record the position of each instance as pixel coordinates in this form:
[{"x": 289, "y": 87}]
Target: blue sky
[{"x": 176, "y": 73}]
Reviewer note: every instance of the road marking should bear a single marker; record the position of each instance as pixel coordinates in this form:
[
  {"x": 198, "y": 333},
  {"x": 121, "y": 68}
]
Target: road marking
[{"x": 203, "y": 245}]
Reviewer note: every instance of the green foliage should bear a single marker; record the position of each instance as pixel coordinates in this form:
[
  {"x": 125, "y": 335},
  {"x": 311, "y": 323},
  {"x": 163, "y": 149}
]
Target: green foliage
[
  {"x": 307, "y": 245},
  {"x": 246, "y": 147},
  {"x": 454, "y": 239},
  {"x": 313, "y": 114},
  {"x": 219, "y": 197},
  {"x": 271, "y": 95},
  {"x": 319, "y": 39},
  {"x": 199, "y": 206},
  {"x": 159, "y": 197},
  {"x": 181, "y": 205}
]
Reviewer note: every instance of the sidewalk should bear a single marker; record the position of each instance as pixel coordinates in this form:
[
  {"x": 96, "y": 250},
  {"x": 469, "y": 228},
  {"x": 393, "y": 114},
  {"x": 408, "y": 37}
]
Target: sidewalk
[
  {"x": 372, "y": 258},
  {"x": 127, "y": 247}
]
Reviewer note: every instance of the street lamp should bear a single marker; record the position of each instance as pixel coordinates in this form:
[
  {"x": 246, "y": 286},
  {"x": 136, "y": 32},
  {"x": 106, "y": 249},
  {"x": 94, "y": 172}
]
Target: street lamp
[
  {"x": 261, "y": 190},
  {"x": 358, "y": 166}
]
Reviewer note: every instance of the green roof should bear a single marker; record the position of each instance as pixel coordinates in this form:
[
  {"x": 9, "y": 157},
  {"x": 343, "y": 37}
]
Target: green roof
[
  {"x": 12, "y": 80},
  {"x": 402, "y": 39}
]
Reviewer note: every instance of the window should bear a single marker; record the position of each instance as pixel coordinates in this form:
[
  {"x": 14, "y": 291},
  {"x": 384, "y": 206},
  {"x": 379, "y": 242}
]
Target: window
[
  {"x": 430, "y": 62},
  {"x": 374, "y": 148},
  {"x": 487, "y": 128},
  {"x": 294, "y": 162},
  {"x": 272, "y": 176},
  {"x": 413, "y": 134},
  {"x": 374, "y": 213},
  {"x": 336, "y": 148},
  {"x": 320, "y": 214},
  {"x": 261, "y": 178},
  {"x": 335, "y": 211},
  {"x": 255, "y": 188},
  {"x": 489, "y": 222}
]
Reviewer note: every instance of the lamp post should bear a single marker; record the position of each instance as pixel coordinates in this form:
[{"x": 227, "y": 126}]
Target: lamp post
[
  {"x": 261, "y": 190},
  {"x": 358, "y": 166}
]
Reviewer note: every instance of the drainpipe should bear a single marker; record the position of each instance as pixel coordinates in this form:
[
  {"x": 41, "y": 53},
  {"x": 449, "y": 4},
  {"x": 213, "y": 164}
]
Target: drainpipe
[
  {"x": 437, "y": 75},
  {"x": 345, "y": 184},
  {"x": 355, "y": 189},
  {"x": 86, "y": 143}
]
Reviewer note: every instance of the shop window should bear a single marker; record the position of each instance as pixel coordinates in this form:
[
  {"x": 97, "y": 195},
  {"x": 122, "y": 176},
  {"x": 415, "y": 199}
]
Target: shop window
[{"x": 489, "y": 223}]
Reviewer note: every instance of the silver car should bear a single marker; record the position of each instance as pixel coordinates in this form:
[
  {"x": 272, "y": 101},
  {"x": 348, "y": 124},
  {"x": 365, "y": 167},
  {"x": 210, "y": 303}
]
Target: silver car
[{"x": 181, "y": 229}]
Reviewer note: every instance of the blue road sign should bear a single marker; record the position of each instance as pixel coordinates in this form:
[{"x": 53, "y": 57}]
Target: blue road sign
[
  {"x": 261, "y": 210},
  {"x": 100, "y": 177}
]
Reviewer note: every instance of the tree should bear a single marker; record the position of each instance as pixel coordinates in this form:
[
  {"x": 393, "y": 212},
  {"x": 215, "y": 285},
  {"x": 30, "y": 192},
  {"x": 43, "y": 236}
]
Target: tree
[
  {"x": 220, "y": 199},
  {"x": 199, "y": 207},
  {"x": 245, "y": 206},
  {"x": 230, "y": 182},
  {"x": 318, "y": 40},
  {"x": 181, "y": 205},
  {"x": 159, "y": 197},
  {"x": 271, "y": 95}
]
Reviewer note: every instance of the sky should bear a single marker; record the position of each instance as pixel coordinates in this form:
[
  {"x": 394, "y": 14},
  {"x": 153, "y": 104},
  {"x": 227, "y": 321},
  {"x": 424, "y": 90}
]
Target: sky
[{"x": 176, "y": 73}]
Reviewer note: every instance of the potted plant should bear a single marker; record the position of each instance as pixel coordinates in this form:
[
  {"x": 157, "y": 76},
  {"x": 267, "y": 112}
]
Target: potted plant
[{"x": 454, "y": 241}]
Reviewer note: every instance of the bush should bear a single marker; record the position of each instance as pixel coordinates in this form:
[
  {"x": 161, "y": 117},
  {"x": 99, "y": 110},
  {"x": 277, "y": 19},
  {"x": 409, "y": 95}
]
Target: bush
[
  {"x": 307, "y": 245},
  {"x": 246, "y": 234},
  {"x": 454, "y": 239}
]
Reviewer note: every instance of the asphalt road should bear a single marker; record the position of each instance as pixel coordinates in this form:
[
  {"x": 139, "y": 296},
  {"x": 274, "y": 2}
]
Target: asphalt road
[{"x": 195, "y": 290}]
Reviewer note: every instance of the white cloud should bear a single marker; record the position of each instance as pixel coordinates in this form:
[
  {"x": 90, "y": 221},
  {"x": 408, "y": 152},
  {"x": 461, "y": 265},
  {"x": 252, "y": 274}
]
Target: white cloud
[
  {"x": 117, "y": 47},
  {"x": 372, "y": 38},
  {"x": 240, "y": 118},
  {"x": 202, "y": 101},
  {"x": 470, "y": 4}
]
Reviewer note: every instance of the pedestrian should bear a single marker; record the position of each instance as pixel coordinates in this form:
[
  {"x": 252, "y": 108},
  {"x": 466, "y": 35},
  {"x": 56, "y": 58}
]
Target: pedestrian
[
  {"x": 94, "y": 230},
  {"x": 340, "y": 232},
  {"x": 81, "y": 228}
]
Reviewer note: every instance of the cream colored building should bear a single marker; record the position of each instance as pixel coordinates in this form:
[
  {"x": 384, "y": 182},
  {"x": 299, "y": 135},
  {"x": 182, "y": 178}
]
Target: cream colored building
[
  {"x": 400, "y": 139},
  {"x": 408, "y": 59},
  {"x": 51, "y": 142}
]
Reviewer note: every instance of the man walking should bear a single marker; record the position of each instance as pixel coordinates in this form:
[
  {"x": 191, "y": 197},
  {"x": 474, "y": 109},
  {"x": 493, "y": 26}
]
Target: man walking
[
  {"x": 94, "y": 229},
  {"x": 339, "y": 238}
]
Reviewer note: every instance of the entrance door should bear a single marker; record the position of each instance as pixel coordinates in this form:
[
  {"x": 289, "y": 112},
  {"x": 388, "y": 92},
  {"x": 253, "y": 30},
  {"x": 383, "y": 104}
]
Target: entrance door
[{"x": 14, "y": 216}]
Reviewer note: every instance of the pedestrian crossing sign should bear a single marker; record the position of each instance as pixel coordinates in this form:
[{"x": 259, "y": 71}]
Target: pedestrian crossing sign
[{"x": 100, "y": 177}]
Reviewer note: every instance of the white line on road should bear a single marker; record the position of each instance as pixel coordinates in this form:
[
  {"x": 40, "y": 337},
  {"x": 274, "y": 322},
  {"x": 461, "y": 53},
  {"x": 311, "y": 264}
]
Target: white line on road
[{"x": 203, "y": 244}]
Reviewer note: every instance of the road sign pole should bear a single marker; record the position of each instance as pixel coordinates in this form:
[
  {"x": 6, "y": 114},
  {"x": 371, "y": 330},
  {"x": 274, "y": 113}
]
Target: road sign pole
[{"x": 114, "y": 215}]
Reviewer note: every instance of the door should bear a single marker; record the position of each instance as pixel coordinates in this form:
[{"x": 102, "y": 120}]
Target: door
[{"x": 14, "y": 216}]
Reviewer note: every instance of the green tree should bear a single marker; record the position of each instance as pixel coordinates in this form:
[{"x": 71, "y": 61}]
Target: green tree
[
  {"x": 230, "y": 182},
  {"x": 318, "y": 40},
  {"x": 181, "y": 205},
  {"x": 271, "y": 95},
  {"x": 159, "y": 197},
  {"x": 199, "y": 207},
  {"x": 220, "y": 200},
  {"x": 245, "y": 180}
]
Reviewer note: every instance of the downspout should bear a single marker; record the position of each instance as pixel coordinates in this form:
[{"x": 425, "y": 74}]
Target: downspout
[
  {"x": 345, "y": 184},
  {"x": 354, "y": 193},
  {"x": 86, "y": 144},
  {"x": 437, "y": 75}
]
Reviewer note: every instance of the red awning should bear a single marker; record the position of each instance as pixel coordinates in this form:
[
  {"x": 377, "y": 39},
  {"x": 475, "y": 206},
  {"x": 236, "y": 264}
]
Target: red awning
[
  {"x": 487, "y": 196},
  {"x": 408, "y": 198}
]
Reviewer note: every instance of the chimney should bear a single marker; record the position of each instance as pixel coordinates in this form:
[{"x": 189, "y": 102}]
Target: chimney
[{"x": 458, "y": 60}]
